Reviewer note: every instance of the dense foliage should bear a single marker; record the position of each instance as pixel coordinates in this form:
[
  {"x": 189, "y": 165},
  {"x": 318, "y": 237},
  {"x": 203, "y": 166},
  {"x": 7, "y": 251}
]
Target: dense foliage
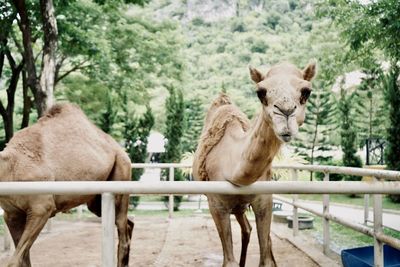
[
  {"x": 173, "y": 136},
  {"x": 348, "y": 134},
  {"x": 136, "y": 133},
  {"x": 392, "y": 96}
]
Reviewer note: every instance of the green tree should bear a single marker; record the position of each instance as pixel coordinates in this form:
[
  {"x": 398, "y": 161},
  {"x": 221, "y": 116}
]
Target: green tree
[
  {"x": 314, "y": 134},
  {"x": 371, "y": 118},
  {"x": 194, "y": 115},
  {"x": 348, "y": 134},
  {"x": 174, "y": 125},
  {"x": 368, "y": 27},
  {"x": 137, "y": 131},
  {"x": 109, "y": 114},
  {"x": 315, "y": 137},
  {"x": 392, "y": 97}
]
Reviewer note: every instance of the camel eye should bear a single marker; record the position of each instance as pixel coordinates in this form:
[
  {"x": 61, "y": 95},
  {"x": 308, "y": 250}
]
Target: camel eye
[
  {"x": 305, "y": 93},
  {"x": 262, "y": 93}
]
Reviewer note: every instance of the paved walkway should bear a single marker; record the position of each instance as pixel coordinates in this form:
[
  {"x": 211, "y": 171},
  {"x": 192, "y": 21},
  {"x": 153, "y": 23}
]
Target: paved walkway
[{"x": 353, "y": 213}]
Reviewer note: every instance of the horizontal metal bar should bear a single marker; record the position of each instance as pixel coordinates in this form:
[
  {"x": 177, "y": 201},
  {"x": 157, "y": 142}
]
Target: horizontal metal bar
[
  {"x": 160, "y": 165},
  {"x": 355, "y": 226},
  {"x": 384, "y": 174},
  {"x": 177, "y": 188}
]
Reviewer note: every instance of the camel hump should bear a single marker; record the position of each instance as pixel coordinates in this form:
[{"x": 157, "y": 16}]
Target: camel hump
[
  {"x": 60, "y": 108},
  {"x": 221, "y": 100},
  {"x": 220, "y": 115}
]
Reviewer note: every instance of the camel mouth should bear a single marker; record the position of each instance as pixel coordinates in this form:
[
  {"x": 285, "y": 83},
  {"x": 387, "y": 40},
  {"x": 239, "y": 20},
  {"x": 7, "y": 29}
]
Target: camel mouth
[{"x": 286, "y": 137}]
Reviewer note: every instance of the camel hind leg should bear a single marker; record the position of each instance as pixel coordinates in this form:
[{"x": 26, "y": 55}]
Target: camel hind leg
[
  {"x": 246, "y": 231},
  {"x": 122, "y": 171}
]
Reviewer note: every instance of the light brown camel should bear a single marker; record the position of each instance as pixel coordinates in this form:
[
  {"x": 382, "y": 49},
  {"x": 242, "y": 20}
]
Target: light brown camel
[
  {"x": 233, "y": 149},
  {"x": 62, "y": 146}
]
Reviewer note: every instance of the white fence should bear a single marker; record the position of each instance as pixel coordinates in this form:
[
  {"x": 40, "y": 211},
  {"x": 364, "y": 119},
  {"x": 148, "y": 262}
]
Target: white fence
[{"x": 108, "y": 189}]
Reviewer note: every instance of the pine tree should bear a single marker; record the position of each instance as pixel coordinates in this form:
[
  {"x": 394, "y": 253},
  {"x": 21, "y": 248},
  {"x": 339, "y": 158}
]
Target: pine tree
[
  {"x": 194, "y": 114},
  {"x": 314, "y": 134},
  {"x": 370, "y": 117},
  {"x": 392, "y": 98},
  {"x": 109, "y": 115},
  {"x": 136, "y": 133},
  {"x": 348, "y": 134},
  {"x": 175, "y": 109}
]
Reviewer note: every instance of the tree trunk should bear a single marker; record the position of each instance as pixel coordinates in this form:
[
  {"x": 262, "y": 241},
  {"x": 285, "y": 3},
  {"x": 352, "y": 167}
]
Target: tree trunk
[
  {"x": 7, "y": 113},
  {"x": 25, "y": 28},
  {"x": 27, "y": 102},
  {"x": 49, "y": 52},
  {"x": 42, "y": 88}
]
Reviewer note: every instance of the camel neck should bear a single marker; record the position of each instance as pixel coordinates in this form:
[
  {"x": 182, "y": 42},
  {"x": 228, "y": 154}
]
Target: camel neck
[{"x": 259, "y": 149}]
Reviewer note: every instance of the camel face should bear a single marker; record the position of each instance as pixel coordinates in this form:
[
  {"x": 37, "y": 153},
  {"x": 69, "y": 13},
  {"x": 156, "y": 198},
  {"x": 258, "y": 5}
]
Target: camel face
[{"x": 283, "y": 92}]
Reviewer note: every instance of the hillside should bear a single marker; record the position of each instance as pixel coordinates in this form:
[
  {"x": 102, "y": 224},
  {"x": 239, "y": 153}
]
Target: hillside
[{"x": 222, "y": 38}]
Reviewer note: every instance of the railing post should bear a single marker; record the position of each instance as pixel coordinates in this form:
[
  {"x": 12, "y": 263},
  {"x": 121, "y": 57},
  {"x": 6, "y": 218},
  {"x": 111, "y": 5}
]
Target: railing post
[
  {"x": 7, "y": 238},
  {"x": 107, "y": 223},
  {"x": 366, "y": 208},
  {"x": 378, "y": 245},
  {"x": 326, "y": 234},
  {"x": 295, "y": 214},
  {"x": 171, "y": 197}
]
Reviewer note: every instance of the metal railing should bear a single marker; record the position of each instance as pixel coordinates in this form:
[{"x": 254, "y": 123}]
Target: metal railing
[{"x": 109, "y": 189}]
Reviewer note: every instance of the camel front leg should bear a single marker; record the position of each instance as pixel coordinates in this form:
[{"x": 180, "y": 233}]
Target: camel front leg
[
  {"x": 223, "y": 223},
  {"x": 36, "y": 218},
  {"x": 262, "y": 207},
  {"x": 16, "y": 224},
  {"x": 246, "y": 231}
]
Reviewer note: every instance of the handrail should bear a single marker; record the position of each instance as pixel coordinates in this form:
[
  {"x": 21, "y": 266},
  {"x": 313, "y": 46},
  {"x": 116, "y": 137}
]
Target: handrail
[
  {"x": 384, "y": 174},
  {"x": 108, "y": 188},
  {"x": 185, "y": 187}
]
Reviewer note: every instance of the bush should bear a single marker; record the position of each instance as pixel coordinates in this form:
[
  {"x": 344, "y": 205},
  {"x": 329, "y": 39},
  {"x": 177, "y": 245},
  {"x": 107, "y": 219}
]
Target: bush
[
  {"x": 238, "y": 26},
  {"x": 332, "y": 176},
  {"x": 259, "y": 46}
]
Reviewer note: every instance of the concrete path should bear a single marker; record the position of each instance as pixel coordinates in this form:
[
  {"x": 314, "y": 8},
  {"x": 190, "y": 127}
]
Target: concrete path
[{"x": 353, "y": 213}]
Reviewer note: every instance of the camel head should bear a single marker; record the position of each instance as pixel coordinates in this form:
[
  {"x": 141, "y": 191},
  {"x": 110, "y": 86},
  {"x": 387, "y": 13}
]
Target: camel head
[{"x": 283, "y": 92}]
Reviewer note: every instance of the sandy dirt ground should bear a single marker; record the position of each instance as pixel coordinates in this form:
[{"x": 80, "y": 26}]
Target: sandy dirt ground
[{"x": 185, "y": 241}]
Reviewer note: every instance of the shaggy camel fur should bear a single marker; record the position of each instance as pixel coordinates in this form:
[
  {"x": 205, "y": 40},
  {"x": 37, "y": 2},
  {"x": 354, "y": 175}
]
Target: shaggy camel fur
[
  {"x": 62, "y": 146},
  {"x": 233, "y": 149}
]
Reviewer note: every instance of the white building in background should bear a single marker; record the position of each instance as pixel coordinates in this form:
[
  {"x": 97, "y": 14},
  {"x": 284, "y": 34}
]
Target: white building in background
[{"x": 155, "y": 146}]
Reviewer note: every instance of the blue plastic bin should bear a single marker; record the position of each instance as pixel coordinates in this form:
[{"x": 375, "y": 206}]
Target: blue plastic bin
[{"x": 364, "y": 257}]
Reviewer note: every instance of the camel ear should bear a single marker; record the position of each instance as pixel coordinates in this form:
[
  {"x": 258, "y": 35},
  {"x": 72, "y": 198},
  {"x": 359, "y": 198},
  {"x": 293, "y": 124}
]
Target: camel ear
[
  {"x": 310, "y": 71},
  {"x": 255, "y": 75}
]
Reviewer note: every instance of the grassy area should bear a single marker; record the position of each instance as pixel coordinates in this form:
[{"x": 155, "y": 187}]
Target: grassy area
[
  {"x": 345, "y": 199},
  {"x": 151, "y": 198},
  {"x": 342, "y": 237}
]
